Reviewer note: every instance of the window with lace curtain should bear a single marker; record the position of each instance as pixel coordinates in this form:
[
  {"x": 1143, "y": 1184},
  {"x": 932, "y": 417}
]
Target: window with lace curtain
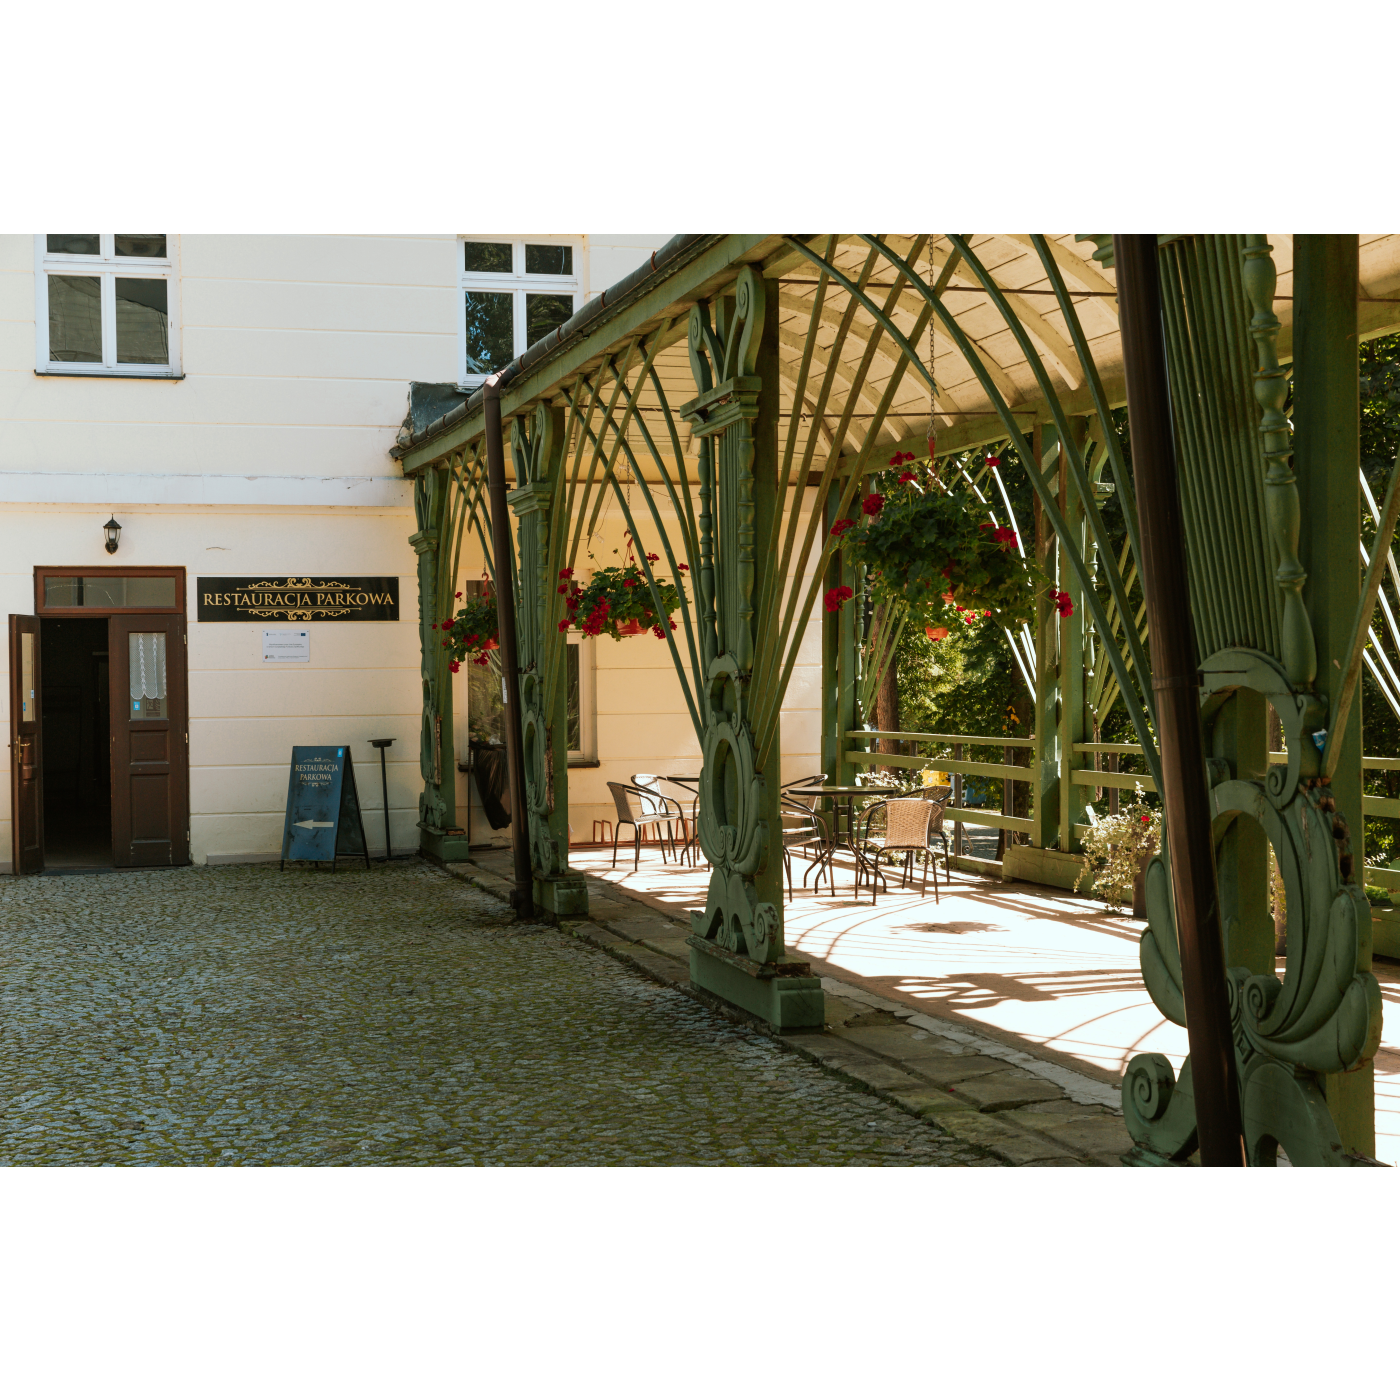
[{"x": 106, "y": 305}]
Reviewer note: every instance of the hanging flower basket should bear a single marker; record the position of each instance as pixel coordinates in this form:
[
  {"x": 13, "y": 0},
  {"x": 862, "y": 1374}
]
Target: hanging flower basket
[
  {"x": 617, "y": 602},
  {"x": 937, "y": 552},
  {"x": 472, "y": 633}
]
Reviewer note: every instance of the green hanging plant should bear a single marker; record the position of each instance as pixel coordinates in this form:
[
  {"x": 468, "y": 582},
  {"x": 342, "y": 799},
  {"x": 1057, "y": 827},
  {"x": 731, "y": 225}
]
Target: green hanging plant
[
  {"x": 473, "y": 633},
  {"x": 617, "y": 602},
  {"x": 926, "y": 548}
]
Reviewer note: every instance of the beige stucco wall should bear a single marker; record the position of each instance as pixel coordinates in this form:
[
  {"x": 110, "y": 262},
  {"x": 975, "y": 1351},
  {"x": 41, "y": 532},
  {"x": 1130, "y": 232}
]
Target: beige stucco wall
[{"x": 271, "y": 455}]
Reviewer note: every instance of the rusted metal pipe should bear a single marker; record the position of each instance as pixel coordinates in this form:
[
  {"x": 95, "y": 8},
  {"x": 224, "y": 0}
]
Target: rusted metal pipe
[
  {"x": 522, "y": 897},
  {"x": 1185, "y": 795}
]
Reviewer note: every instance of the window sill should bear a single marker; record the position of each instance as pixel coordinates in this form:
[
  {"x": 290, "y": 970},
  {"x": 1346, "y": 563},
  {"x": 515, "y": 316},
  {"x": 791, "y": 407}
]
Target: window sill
[
  {"x": 585, "y": 763},
  {"x": 105, "y": 374}
]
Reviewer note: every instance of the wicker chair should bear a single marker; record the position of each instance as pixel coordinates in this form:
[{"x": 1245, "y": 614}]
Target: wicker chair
[
  {"x": 900, "y": 824},
  {"x": 802, "y": 829},
  {"x": 651, "y": 809},
  {"x": 941, "y": 797}
]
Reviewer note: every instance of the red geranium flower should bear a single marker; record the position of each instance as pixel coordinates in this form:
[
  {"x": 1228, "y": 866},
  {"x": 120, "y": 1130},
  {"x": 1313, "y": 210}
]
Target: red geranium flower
[
  {"x": 563, "y": 588},
  {"x": 563, "y": 573},
  {"x": 873, "y": 504},
  {"x": 841, "y": 527},
  {"x": 653, "y": 558},
  {"x": 1063, "y": 604},
  {"x": 459, "y": 595},
  {"x": 906, "y": 477},
  {"x": 1005, "y": 536},
  {"x": 1145, "y": 820},
  {"x": 836, "y": 596},
  {"x": 454, "y": 666},
  {"x": 684, "y": 568},
  {"x": 564, "y": 625},
  {"x": 994, "y": 461}
]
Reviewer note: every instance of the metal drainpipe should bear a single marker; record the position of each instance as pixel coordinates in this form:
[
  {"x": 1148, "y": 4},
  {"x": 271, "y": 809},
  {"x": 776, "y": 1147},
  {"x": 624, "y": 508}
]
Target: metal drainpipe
[
  {"x": 1175, "y": 683},
  {"x": 522, "y": 897}
]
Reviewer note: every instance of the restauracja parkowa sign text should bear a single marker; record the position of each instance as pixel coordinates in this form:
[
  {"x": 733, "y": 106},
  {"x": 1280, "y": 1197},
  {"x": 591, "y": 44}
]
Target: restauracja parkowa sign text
[{"x": 337, "y": 598}]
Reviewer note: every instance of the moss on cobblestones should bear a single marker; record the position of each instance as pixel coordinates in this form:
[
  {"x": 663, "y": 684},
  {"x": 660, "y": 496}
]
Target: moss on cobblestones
[{"x": 241, "y": 1016}]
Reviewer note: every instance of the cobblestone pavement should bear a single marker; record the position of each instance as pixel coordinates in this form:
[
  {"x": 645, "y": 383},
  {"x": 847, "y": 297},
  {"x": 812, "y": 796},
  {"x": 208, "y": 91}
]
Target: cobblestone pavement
[{"x": 240, "y": 1016}]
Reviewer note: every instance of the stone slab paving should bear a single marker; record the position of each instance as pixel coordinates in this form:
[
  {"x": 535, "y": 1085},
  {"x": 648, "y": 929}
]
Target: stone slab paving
[
  {"x": 1024, "y": 1109},
  {"x": 242, "y": 1016}
]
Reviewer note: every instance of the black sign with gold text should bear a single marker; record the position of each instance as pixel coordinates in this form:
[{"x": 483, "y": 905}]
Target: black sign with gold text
[{"x": 333, "y": 598}]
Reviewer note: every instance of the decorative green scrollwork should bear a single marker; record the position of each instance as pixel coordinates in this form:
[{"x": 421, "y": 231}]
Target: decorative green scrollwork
[
  {"x": 733, "y": 830},
  {"x": 1299, "y": 648},
  {"x": 1324, "y": 1016}
]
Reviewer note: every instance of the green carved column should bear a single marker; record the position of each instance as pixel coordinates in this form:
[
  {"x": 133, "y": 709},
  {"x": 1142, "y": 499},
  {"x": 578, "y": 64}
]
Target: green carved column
[
  {"x": 538, "y": 453},
  {"x": 1045, "y": 800},
  {"x": 1072, "y": 727},
  {"x": 835, "y": 715},
  {"x": 737, "y": 948},
  {"x": 1326, "y": 453},
  {"x": 1271, "y": 521},
  {"x": 439, "y": 834}
]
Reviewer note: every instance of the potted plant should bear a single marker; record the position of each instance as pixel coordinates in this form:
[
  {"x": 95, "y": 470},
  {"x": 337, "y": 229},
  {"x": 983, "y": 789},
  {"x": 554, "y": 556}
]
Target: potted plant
[
  {"x": 926, "y": 547},
  {"x": 1117, "y": 849},
  {"x": 472, "y": 634},
  {"x": 617, "y": 602}
]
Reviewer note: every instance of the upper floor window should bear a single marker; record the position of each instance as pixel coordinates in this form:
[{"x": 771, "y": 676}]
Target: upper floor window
[
  {"x": 106, "y": 304},
  {"x": 514, "y": 291}
]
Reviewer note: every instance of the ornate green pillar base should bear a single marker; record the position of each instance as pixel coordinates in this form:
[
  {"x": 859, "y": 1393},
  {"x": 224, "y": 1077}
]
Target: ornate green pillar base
[
  {"x": 783, "y": 993},
  {"x": 564, "y": 896},
  {"x": 437, "y": 844}
]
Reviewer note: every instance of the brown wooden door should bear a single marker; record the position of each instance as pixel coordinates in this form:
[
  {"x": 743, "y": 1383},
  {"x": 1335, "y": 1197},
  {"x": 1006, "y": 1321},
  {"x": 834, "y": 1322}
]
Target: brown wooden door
[
  {"x": 26, "y": 747},
  {"x": 150, "y": 741}
]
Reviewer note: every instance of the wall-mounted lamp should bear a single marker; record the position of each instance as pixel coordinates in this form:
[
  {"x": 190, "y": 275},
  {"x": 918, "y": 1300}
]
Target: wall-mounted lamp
[{"x": 113, "y": 531}]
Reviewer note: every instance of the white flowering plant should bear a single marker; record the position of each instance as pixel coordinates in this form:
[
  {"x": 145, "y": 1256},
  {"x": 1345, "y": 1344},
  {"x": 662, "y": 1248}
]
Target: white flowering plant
[{"x": 1114, "y": 847}]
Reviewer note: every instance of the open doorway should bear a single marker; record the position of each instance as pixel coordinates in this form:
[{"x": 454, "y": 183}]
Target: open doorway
[
  {"x": 75, "y": 706},
  {"x": 99, "y": 727}
]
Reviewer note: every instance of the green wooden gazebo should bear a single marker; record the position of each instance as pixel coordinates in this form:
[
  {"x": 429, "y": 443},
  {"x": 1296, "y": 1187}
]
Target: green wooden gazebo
[{"x": 744, "y": 387}]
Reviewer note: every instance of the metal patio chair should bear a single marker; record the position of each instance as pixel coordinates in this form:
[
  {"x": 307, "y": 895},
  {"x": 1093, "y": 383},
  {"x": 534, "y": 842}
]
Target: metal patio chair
[
  {"x": 650, "y": 809},
  {"x": 803, "y": 829},
  {"x": 899, "y": 825},
  {"x": 786, "y": 794},
  {"x": 651, "y": 783}
]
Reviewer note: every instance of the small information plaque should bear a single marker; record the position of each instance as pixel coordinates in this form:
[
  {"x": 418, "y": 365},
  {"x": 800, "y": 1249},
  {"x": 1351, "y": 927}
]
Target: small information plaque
[{"x": 286, "y": 644}]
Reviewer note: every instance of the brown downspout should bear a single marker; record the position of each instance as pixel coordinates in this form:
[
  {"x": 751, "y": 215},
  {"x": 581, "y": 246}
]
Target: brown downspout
[
  {"x": 522, "y": 896},
  {"x": 1175, "y": 684}
]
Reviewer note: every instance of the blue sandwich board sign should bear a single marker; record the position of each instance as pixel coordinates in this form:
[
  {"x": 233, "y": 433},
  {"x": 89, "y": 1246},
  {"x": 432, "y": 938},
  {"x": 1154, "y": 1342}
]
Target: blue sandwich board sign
[{"x": 323, "y": 807}]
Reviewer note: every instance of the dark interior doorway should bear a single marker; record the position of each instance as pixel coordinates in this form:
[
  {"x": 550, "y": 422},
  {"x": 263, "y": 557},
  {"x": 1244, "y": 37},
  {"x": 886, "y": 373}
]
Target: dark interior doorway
[{"x": 76, "y": 704}]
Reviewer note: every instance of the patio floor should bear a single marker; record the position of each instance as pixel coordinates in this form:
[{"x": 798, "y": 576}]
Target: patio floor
[{"x": 1048, "y": 971}]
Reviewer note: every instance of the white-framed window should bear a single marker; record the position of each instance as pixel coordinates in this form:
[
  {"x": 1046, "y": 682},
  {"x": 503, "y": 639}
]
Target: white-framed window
[
  {"x": 107, "y": 304},
  {"x": 581, "y": 705},
  {"x": 512, "y": 291}
]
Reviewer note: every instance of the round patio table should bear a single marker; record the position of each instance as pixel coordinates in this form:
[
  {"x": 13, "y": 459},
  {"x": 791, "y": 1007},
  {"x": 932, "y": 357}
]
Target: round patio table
[{"x": 843, "y": 802}]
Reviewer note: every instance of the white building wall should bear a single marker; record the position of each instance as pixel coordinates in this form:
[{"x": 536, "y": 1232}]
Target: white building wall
[{"x": 271, "y": 455}]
